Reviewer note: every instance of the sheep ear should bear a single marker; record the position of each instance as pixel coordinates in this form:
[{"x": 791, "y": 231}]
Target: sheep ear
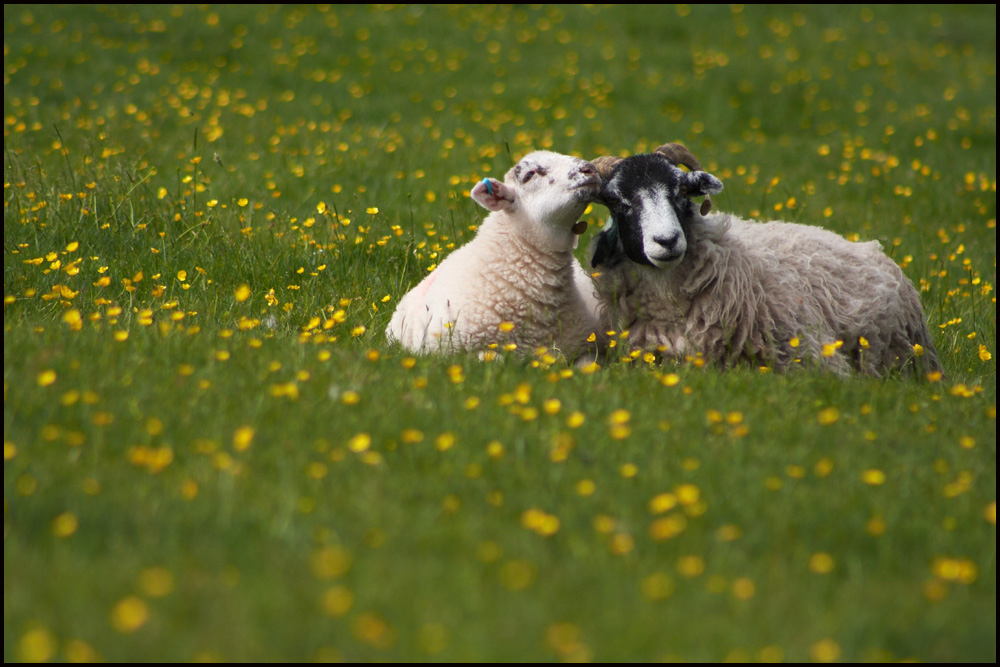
[
  {"x": 697, "y": 183},
  {"x": 604, "y": 247},
  {"x": 493, "y": 195}
]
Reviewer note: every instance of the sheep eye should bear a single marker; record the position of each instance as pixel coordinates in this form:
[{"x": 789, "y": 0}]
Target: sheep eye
[{"x": 527, "y": 177}]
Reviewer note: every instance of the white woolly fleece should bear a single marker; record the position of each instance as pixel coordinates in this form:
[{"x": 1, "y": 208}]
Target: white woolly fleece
[{"x": 499, "y": 277}]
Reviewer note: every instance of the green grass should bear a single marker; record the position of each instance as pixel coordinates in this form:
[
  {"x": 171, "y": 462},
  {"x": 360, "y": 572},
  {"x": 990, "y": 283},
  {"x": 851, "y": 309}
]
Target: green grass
[{"x": 190, "y": 474}]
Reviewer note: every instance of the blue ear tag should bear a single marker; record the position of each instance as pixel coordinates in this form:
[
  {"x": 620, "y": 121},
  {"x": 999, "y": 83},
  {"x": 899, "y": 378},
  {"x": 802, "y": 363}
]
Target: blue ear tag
[{"x": 489, "y": 186}]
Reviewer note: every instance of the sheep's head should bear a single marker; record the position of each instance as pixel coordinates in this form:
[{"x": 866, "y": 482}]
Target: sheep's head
[
  {"x": 547, "y": 188},
  {"x": 649, "y": 197}
]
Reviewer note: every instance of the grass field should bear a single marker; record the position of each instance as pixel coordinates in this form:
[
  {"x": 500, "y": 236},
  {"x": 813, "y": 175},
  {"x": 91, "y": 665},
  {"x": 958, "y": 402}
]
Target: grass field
[{"x": 211, "y": 452}]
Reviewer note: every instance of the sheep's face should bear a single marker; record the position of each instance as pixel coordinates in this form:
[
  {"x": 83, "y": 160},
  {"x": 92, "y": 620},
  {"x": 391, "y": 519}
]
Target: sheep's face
[
  {"x": 648, "y": 197},
  {"x": 547, "y": 188}
]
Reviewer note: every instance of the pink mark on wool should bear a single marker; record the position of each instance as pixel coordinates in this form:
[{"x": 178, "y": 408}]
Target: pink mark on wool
[{"x": 425, "y": 286}]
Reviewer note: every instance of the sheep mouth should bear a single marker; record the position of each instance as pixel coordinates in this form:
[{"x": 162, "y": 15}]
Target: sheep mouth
[{"x": 666, "y": 260}]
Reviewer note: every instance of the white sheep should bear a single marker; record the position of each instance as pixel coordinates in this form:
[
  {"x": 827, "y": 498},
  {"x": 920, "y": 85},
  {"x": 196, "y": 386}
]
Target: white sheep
[
  {"x": 518, "y": 270},
  {"x": 687, "y": 283}
]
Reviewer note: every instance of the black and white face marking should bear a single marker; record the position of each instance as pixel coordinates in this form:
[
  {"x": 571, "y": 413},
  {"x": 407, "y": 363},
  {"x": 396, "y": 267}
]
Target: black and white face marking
[
  {"x": 660, "y": 231},
  {"x": 649, "y": 201}
]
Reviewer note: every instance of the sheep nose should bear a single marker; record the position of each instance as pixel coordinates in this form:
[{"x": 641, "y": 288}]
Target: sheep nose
[
  {"x": 588, "y": 169},
  {"x": 668, "y": 242}
]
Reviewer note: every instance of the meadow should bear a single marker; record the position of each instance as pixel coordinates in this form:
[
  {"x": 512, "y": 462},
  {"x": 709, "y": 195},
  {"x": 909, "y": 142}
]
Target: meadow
[{"x": 212, "y": 453}]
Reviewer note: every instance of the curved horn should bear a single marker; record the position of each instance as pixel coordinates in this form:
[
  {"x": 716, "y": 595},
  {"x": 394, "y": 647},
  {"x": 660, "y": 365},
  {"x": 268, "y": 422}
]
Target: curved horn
[
  {"x": 679, "y": 154},
  {"x": 605, "y": 164}
]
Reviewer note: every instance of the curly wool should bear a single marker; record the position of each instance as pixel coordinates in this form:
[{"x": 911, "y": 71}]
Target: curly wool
[{"x": 772, "y": 293}]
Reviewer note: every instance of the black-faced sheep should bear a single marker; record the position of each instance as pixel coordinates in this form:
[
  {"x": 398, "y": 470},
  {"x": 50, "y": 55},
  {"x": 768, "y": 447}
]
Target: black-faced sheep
[
  {"x": 518, "y": 270},
  {"x": 687, "y": 283}
]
